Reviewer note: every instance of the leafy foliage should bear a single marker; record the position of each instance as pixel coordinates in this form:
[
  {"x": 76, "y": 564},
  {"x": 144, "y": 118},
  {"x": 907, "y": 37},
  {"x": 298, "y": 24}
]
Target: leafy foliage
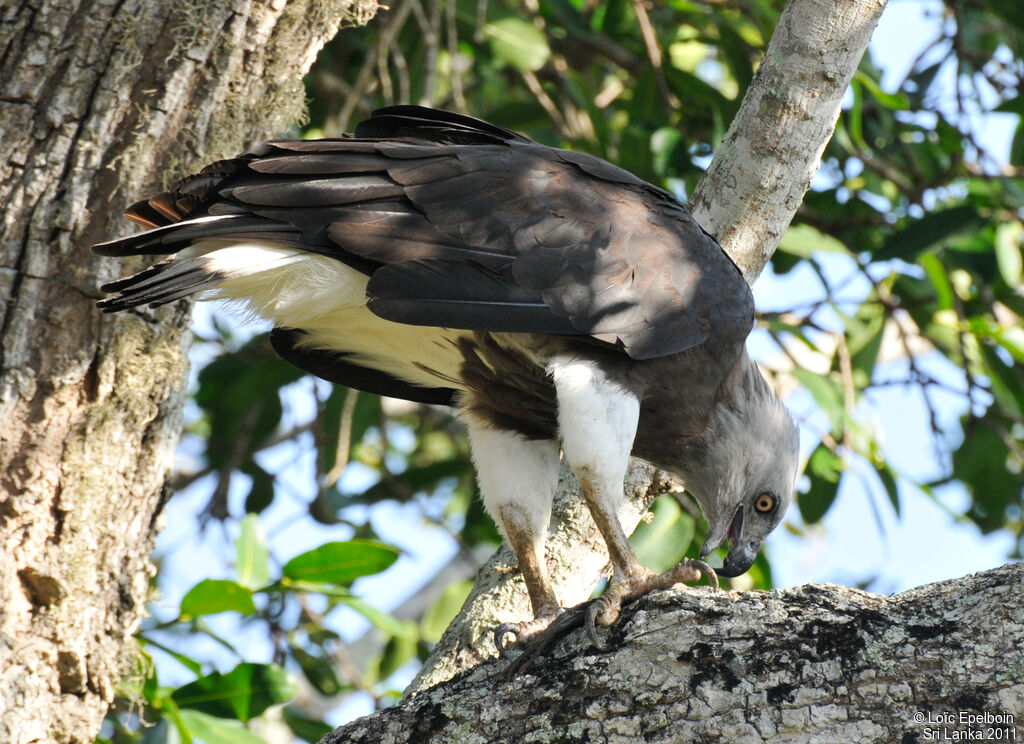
[{"x": 910, "y": 241}]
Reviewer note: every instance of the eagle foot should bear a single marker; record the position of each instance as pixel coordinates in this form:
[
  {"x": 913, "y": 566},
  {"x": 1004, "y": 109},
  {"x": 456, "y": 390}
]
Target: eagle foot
[
  {"x": 523, "y": 633},
  {"x": 535, "y": 637},
  {"x": 605, "y": 609},
  {"x": 538, "y": 639}
]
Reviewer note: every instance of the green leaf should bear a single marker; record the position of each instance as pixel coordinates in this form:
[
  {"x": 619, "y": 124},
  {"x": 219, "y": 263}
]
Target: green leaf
[
  {"x": 1006, "y": 381},
  {"x": 397, "y": 651},
  {"x": 309, "y": 729},
  {"x": 242, "y": 694},
  {"x": 1012, "y": 106},
  {"x": 517, "y": 43},
  {"x": 669, "y": 151},
  {"x": 662, "y": 543},
  {"x": 827, "y": 393},
  {"x": 735, "y": 50},
  {"x": 824, "y": 469},
  {"x": 341, "y": 562},
  {"x": 437, "y": 618},
  {"x": 892, "y": 490},
  {"x": 239, "y": 393},
  {"x": 383, "y": 620},
  {"x": 365, "y": 414},
  {"x": 261, "y": 491},
  {"x": 172, "y": 714},
  {"x": 937, "y": 275},
  {"x": 1017, "y": 145},
  {"x": 805, "y": 241},
  {"x": 162, "y": 732},
  {"x": 855, "y": 116},
  {"x": 864, "y": 333},
  {"x": 894, "y": 101},
  {"x": 309, "y": 587},
  {"x": 934, "y": 230},
  {"x": 211, "y": 596},
  {"x": 1011, "y": 339},
  {"x": 328, "y": 427},
  {"x": 1011, "y": 266},
  {"x": 319, "y": 671},
  {"x": 418, "y": 478},
  {"x": 251, "y": 554},
  {"x": 189, "y": 663},
  {"x": 213, "y": 730},
  {"x": 981, "y": 464},
  {"x": 479, "y": 528}
]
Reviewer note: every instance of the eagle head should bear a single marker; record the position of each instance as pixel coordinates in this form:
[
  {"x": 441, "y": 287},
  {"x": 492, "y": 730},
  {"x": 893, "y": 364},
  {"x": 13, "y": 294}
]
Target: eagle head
[{"x": 743, "y": 470}]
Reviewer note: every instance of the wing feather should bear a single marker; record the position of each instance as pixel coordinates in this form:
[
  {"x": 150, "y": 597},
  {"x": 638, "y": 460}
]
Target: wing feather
[
  {"x": 459, "y": 294},
  {"x": 465, "y": 224}
]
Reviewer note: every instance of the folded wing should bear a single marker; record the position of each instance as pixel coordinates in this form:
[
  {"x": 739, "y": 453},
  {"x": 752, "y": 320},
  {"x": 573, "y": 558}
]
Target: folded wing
[{"x": 458, "y": 224}]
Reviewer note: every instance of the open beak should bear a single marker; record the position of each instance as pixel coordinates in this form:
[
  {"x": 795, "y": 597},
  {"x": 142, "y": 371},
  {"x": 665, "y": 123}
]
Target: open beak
[{"x": 741, "y": 556}]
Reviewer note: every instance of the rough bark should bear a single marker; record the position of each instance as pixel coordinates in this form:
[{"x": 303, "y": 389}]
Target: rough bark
[
  {"x": 746, "y": 199},
  {"x": 812, "y": 664},
  {"x": 101, "y": 101}
]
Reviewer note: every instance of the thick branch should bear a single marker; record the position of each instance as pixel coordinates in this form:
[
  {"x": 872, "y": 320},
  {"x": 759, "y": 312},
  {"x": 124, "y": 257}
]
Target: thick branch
[
  {"x": 816, "y": 663},
  {"x": 764, "y": 165},
  {"x": 577, "y": 556}
]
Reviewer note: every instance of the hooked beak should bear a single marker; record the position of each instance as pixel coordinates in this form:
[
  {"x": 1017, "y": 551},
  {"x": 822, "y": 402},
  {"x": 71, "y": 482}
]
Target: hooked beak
[{"x": 741, "y": 555}]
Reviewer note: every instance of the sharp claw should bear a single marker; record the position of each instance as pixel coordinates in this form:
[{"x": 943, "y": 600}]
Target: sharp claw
[
  {"x": 593, "y": 610},
  {"x": 705, "y": 569},
  {"x": 588, "y": 615},
  {"x": 499, "y": 637}
]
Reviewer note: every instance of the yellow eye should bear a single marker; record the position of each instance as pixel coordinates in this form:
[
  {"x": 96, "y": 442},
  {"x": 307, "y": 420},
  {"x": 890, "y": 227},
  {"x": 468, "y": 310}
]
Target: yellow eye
[{"x": 765, "y": 503}]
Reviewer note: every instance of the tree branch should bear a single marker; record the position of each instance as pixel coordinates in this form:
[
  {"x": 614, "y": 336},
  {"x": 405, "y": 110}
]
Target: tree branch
[
  {"x": 815, "y": 663},
  {"x": 764, "y": 165}
]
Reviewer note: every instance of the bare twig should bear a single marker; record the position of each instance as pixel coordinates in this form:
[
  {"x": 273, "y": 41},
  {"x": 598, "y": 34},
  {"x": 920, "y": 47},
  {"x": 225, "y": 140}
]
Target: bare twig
[
  {"x": 846, "y": 375},
  {"x": 341, "y": 454},
  {"x": 454, "y": 56},
  {"x": 654, "y": 55},
  {"x": 365, "y": 79},
  {"x": 545, "y": 100}
]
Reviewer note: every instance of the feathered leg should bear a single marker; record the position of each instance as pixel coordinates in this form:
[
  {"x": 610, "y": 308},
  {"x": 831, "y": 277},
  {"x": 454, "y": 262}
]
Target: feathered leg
[
  {"x": 597, "y": 424},
  {"x": 517, "y": 479}
]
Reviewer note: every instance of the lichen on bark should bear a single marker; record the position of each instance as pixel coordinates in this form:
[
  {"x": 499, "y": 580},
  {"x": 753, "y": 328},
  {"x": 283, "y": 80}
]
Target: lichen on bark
[{"x": 810, "y": 664}]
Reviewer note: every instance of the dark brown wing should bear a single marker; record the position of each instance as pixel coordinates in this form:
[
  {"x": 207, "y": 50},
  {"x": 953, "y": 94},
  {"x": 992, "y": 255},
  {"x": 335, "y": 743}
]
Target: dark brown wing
[
  {"x": 463, "y": 224},
  {"x": 339, "y": 368},
  {"x": 562, "y": 237}
]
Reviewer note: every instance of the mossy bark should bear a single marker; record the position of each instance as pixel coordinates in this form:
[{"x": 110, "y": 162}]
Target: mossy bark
[{"x": 102, "y": 101}]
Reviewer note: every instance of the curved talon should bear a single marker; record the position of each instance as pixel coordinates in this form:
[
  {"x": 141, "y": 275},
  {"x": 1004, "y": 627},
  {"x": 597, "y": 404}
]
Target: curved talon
[
  {"x": 705, "y": 569},
  {"x": 595, "y": 608},
  {"x": 499, "y": 637}
]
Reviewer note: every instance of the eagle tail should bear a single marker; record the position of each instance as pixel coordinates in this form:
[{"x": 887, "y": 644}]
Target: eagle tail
[{"x": 200, "y": 254}]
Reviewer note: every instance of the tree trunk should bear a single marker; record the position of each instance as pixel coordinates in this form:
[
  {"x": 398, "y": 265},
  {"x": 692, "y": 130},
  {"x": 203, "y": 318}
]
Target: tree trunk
[
  {"x": 101, "y": 100},
  {"x": 812, "y": 664},
  {"x": 746, "y": 199}
]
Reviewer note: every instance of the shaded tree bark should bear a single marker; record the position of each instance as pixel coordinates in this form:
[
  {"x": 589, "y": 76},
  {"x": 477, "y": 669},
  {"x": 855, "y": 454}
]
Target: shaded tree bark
[
  {"x": 101, "y": 99},
  {"x": 746, "y": 199},
  {"x": 811, "y": 664}
]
